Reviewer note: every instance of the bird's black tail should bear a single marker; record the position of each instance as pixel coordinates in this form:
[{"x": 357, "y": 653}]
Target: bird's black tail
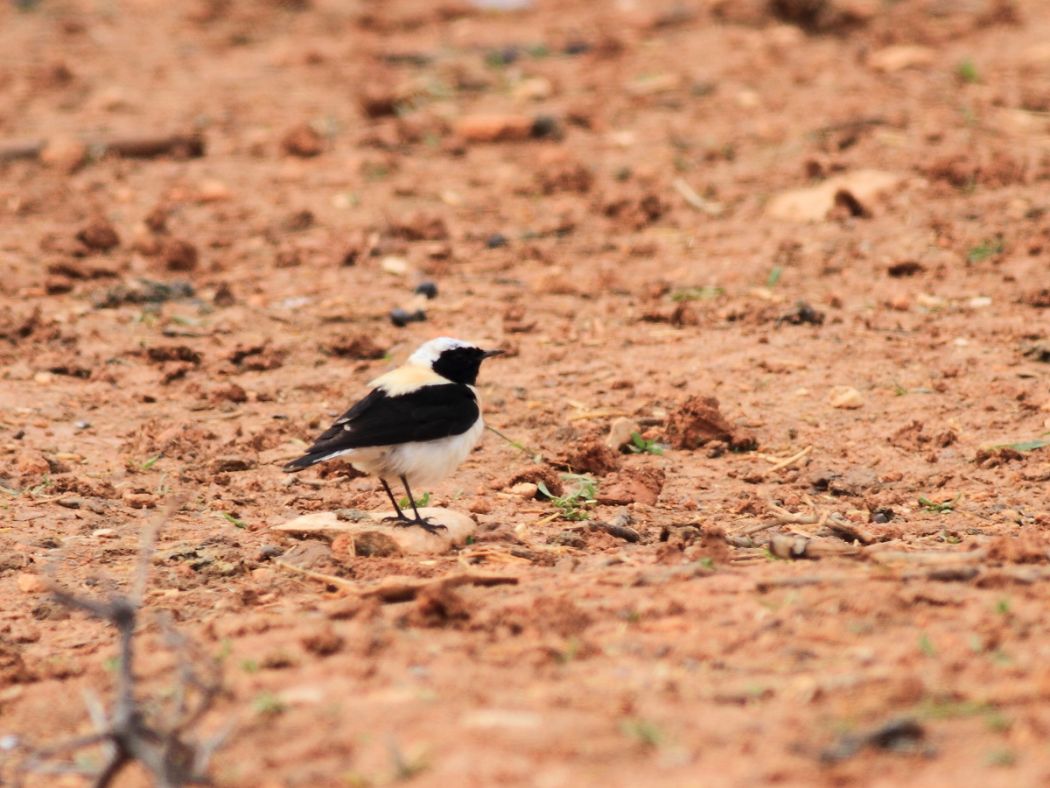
[{"x": 304, "y": 462}]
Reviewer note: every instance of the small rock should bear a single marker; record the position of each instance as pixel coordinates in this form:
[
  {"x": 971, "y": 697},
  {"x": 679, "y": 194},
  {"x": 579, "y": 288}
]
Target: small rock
[
  {"x": 526, "y": 490},
  {"x": 494, "y": 128},
  {"x": 496, "y": 240},
  {"x": 65, "y": 154},
  {"x": 394, "y": 265},
  {"x": 99, "y": 235},
  {"x": 846, "y": 398},
  {"x": 213, "y": 191},
  {"x": 179, "y": 255},
  {"x": 620, "y": 433},
  {"x": 428, "y": 289},
  {"x": 459, "y": 528},
  {"x": 402, "y": 317},
  {"x": 104, "y": 533},
  {"x": 32, "y": 584},
  {"x": 899, "y": 57},
  {"x": 303, "y": 141},
  {"x": 855, "y": 190}
]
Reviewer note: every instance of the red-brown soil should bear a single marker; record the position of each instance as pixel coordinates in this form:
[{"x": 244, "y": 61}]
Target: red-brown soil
[{"x": 594, "y": 187}]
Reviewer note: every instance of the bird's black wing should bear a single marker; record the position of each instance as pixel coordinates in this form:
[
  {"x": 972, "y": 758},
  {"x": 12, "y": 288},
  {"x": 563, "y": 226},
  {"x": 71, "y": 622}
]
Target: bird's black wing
[{"x": 426, "y": 414}]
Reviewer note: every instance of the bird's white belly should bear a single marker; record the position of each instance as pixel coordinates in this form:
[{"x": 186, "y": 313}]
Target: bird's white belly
[{"x": 422, "y": 462}]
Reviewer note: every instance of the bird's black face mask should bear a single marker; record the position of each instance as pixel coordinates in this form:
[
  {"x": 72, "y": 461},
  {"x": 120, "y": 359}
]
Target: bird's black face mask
[{"x": 461, "y": 364}]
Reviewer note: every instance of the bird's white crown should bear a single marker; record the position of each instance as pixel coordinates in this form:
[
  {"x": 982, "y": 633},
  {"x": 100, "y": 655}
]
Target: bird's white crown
[{"x": 431, "y": 351}]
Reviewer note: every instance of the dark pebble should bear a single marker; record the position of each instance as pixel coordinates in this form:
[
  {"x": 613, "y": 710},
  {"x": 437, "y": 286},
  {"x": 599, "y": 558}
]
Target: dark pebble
[
  {"x": 882, "y": 515},
  {"x": 577, "y": 48},
  {"x": 268, "y": 551},
  {"x": 427, "y": 288},
  {"x": 496, "y": 240},
  {"x": 546, "y": 127},
  {"x": 402, "y": 317}
]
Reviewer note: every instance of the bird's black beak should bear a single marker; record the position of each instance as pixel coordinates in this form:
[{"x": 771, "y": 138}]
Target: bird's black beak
[{"x": 490, "y": 353}]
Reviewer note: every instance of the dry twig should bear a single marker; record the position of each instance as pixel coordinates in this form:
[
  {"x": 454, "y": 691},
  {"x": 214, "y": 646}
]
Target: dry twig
[{"x": 162, "y": 749}]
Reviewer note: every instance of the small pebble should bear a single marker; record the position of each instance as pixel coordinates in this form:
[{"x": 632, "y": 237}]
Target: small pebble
[
  {"x": 268, "y": 551},
  {"x": 846, "y": 398},
  {"x": 402, "y": 317},
  {"x": 104, "y": 533},
  {"x": 496, "y": 240},
  {"x": 427, "y": 288},
  {"x": 81, "y": 424},
  {"x": 394, "y": 265}
]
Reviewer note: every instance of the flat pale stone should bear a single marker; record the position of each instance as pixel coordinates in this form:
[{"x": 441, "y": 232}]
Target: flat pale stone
[
  {"x": 812, "y": 203},
  {"x": 371, "y": 536}
]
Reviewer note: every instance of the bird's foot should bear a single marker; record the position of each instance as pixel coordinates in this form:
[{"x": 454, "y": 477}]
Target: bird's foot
[
  {"x": 425, "y": 524},
  {"x": 399, "y": 518}
]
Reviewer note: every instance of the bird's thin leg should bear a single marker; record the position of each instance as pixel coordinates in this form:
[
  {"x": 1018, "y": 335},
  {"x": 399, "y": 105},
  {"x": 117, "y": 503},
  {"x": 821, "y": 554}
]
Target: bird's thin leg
[
  {"x": 400, "y": 517},
  {"x": 421, "y": 521}
]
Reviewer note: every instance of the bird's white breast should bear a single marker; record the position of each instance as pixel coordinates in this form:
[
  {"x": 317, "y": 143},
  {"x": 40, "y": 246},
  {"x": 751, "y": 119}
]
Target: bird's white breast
[{"x": 427, "y": 462}]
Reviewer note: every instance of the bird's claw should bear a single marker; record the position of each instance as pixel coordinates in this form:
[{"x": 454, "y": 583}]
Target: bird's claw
[{"x": 423, "y": 522}]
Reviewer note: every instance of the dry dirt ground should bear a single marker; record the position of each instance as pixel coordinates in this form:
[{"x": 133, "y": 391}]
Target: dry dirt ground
[{"x": 839, "y": 572}]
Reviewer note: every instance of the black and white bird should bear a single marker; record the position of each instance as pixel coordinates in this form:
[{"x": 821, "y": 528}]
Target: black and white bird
[{"x": 419, "y": 422}]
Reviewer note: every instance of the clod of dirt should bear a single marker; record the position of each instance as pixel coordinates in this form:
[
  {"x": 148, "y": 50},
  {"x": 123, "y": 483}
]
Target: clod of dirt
[
  {"x": 635, "y": 211},
  {"x": 557, "y": 171},
  {"x": 904, "y": 736},
  {"x": 905, "y": 268},
  {"x": 1025, "y": 547},
  {"x": 324, "y": 642},
  {"x": 99, "y": 236},
  {"x": 698, "y": 421},
  {"x": 437, "y": 606},
  {"x": 257, "y": 358},
  {"x": 1039, "y": 298},
  {"x": 361, "y": 347},
  {"x": 632, "y": 485},
  {"x": 993, "y": 458},
  {"x": 802, "y": 313},
  {"x": 13, "y": 668},
  {"x": 852, "y": 482},
  {"x": 825, "y": 16},
  {"x": 231, "y": 464},
  {"x": 303, "y": 141},
  {"x": 590, "y": 455},
  {"x": 164, "y": 353},
  {"x": 309, "y": 554},
  {"x": 533, "y": 474},
  {"x": 621, "y": 432},
  {"x": 178, "y": 255},
  {"x": 419, "y": 227},
  {"x": 815, "y": 203}
]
